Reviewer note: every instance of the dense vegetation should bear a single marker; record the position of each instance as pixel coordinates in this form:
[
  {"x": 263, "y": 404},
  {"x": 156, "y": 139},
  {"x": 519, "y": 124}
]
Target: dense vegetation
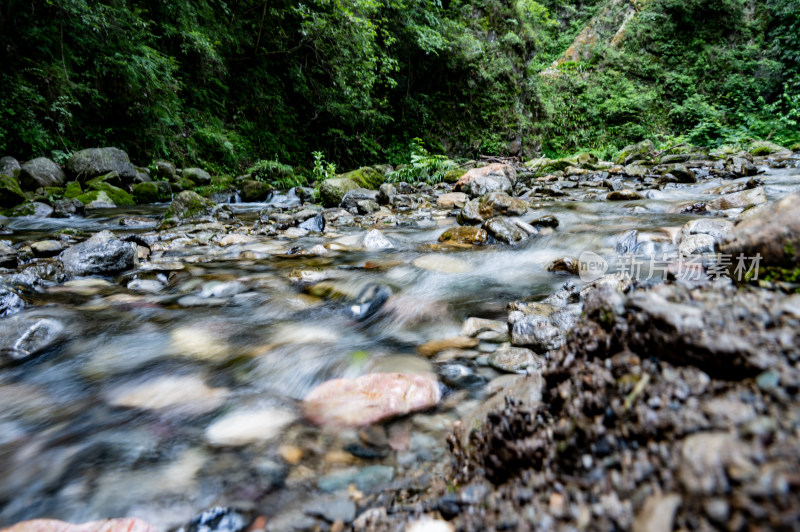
[{"x": 226, "y": 83}]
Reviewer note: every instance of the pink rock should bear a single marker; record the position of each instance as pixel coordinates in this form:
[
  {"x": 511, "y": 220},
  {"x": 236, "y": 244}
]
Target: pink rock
[
  {"x": 370, "y": 398},
  {"x": 127, "y": 524},
  {"x": 494, "y": 169}
]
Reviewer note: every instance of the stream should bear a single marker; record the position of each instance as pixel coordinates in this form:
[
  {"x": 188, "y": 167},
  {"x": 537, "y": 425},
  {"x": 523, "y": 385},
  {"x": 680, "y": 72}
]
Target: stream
[{"x": 138, "y": 407}]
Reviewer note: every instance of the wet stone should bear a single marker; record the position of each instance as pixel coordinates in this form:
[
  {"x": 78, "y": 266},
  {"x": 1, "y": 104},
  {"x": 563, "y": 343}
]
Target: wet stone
[
  {"x": 504, "y": 230},
  {"x": 217, "y": 519},
  {"x": 623, "y": 195},
  {"x": 464, "y": 235},
  {"x": 103, "y": 253},
  {"x": 514, "y": 359},
  {"x": 364, "y": 479}
]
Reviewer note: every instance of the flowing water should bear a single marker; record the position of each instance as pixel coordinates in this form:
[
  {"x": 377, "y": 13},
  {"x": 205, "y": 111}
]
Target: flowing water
[{"x": 82, "y": 437}]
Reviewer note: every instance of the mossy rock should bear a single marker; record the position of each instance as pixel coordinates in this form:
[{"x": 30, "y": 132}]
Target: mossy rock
[
  {"x": 252, "y": 190},
  {"x": 72, "y": 190},
  {"x": 365, "y": 177},
  {"x": 53, "y": 192},
  {"x": 452, "y": 176},
  {"x": 639, "y": 151},
  {"x": 183, "y": 183},
  {"x": 795, "y": 147},
  {"x": 764, "y": 147},
  {"x": 10, "y": 192},
  {"x": 186, "y": 206},
  {"x": 35, "y": 209},
  {"x": 151, "y": 192},
  {"x": 331, "y": 191},
  {"x": 118, "y": 196}
]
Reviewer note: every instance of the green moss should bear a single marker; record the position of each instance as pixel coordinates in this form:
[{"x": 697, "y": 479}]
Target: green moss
[
  {"x": 365, "y": 177},
  {"x": 25, "y": 209},
  {"x": 147, "y": 193},
  {"x": 72, "y": 190},
  {"x": 10, "y": 192},
  {"x": 70, "y": 232},
  {"x": 788, "y": 249},
  {"x": 453, "y": 175},
  {"x": 187, "y": 204}
]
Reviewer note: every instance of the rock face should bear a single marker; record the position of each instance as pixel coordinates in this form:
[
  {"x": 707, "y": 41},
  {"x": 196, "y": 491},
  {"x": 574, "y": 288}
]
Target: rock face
[
  {"x": 94, "y": 162},
  {"x": 369, "y": 398},
  {"x": 109, "y": 525},
  {"x": 772, "y": 230},
  {"x": 332, "y": 191},
  {"x": 496, "y": 177},
  {"x": 188, "y": 205},
  {"x": 101, "y": 254},
  {"x": 41, "y": 172}
]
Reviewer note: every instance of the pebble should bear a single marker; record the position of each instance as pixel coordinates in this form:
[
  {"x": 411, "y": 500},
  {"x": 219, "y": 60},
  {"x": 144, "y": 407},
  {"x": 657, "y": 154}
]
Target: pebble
[{"x": 244, "y": 427}]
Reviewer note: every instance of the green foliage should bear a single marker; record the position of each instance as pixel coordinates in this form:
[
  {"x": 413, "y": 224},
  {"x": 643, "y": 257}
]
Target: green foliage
[
  {"x": 322, "y": 169},
  {"x": 276, "y": 174},
  {"x": 423, "y": 166}
]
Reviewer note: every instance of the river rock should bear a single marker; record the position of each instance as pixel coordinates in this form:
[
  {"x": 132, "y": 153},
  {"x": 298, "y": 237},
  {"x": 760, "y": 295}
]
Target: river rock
[
  {"x": 470, "y": 213},
  {"x": 537, "y": 332},
  {"x": 252, "y": 190},
  {"x": 369, "y": 301},
  {"x": 483, "y": 329},
  {"x": 67, "y": 208},
  {"x": 10, "y": 302},
  {"x": 514, "y": 359},
  {"x": 197, "y": 175},
  {"x": 772, "y": 230},
  {"x": 745, "y": 198},
  {"x": 8, "y": 256},
  {"x": 434, "y": 347},
  {"x": 33, "y": 209},
  {"x": 244, "y": 427},
  {"x": 23, "y": 336},
  {"x": 386, "y": 194},
  {"x": 186, "y": 395},
  {"x": 352, "y": 198},
  {"x": 464, "y": 235},
  {"x": 681, "y": 173},
  {"x": 658, "y": 513},
  {"x": 46, "y": 248},
  {"x": 188, "y": 205},
  {"x": 696, "y": 245},
  {"x": 569, "y": 265},
  {"x": 217, "y": 519},
  {"x": 127, "y": 524},
  {"x": 10, "y": 192},
  {"x": 333, "y": 509},
  {"x": 364, "y": 479},
  {"x": 500, "y": 203},
  {"x": 369, "y": 398},
  {"x": 717, "y": 229},
  {"x": 103, "y": 253},
  {"x": 491, "y": 178},
  {"x": 625, "y": 194},
  {"x": 315, "y": 224},
  {"x": 451, "y": 200},
  {"x": 166, "y": 170},
  {"x": 439, "y": 262},
  {"x": 41, "y": 172},
  {"x": 375, "y": 240},
  {"x": 332, "y": 191},
  {"x": 504, "y": 230},
  {"x": 93, "y": 162}
]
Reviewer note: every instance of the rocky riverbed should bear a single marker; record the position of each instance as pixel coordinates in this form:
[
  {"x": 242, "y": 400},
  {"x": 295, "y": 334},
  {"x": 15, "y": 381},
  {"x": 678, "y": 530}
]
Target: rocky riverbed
[{"x": 559, "y": 345}]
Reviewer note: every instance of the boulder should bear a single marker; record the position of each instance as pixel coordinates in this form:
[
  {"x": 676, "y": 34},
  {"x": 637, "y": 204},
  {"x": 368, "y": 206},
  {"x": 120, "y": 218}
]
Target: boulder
[
  {"x": 352, "y": 198},
  {"x": 197, "y": 175},
  {"x": 253, "y": 190},
  {"x": 94, "y": 162},
  {"x": 41, "y": 172},
  {"x": 332, "y": 191},
  {"x": 386, "y": 194},
  {"x": 188, "y": 205},
  {"x": 765, "y": 147},
  {"x": 10, "y": 192},
  {"x": 680, "y": 173},
  {"x": 514, "y": 359},
  {"x": 745, "y": 198},
  {"x": 504, "y": 230},
  {"x": 772, "y": 230},
  {"x": 151, "y": 192},
  {"x": 33, "y": 209},
  {"x": 641, "y": 151},
  {"x": 496, "y": 177},
  {"x": 103, "y": 253},
  {"x": 500, "y": 204},
  {"x": 470, "y": 213},
  {"x": 365, "y": 177},
  {"x": 24, "y": 336},
  {"x": 464, "y": 235},
  {"x": 9, "y": 166},
  {"x": 451, "y": 200},
  {"x": 368, "y": 399},
  {"x": 625, "y": 194},
  {"x": 165, "y": 170}
]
